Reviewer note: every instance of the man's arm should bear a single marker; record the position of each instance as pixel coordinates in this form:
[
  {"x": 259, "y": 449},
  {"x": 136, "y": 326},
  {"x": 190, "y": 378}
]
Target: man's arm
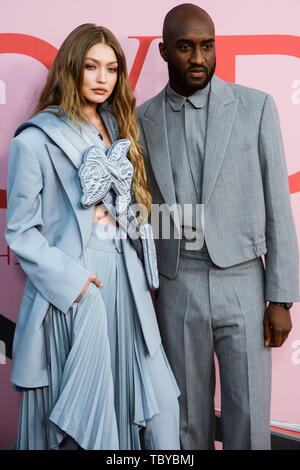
[{"x": 282, "y": 268}]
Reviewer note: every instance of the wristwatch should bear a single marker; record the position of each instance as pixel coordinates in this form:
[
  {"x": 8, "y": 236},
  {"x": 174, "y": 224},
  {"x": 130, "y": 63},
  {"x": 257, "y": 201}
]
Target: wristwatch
[{"x": 286, "y": 305}]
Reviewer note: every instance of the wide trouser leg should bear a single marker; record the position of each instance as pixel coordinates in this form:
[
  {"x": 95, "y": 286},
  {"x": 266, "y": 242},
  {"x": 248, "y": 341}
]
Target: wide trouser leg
[
  {"x": 207, "y": 309},
  {"x": 162, "y": 430},
  {"x": 238, "y": 307},
  {"x": 185, "y": 323}
]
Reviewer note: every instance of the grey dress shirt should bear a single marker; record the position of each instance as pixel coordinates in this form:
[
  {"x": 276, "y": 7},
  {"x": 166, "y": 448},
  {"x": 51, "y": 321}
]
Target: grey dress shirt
[{"x": 186, "y": 119}]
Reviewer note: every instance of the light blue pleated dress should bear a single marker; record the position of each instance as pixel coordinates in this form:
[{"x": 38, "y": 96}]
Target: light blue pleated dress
[{"x": 100, "y": 391}]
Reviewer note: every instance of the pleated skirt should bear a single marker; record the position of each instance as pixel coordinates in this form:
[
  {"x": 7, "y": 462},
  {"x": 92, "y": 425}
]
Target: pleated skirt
[{"x": 100, "y": 392}]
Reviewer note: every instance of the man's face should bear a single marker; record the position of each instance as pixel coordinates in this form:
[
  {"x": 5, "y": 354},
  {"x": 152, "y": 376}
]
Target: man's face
[{"x": 189, "y": 50}]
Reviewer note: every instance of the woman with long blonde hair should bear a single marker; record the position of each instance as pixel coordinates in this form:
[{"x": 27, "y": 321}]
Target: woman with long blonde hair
[{"x": 87, "y": 355}]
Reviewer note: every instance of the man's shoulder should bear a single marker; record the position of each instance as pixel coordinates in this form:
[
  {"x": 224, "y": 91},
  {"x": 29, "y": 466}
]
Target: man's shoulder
[
  {"x": 242, "y": 89},
  {"x": 156, "y": 100},
  {"x": 247, "y": 94}
]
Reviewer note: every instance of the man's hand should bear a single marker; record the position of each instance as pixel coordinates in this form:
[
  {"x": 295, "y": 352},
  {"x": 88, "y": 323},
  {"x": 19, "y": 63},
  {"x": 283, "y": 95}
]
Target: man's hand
[{"x": 277, "y": 325}]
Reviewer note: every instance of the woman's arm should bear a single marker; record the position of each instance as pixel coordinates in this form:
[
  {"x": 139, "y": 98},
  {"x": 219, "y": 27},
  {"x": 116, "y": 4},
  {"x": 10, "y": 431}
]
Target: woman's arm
[{"x": 57, "y": 277}]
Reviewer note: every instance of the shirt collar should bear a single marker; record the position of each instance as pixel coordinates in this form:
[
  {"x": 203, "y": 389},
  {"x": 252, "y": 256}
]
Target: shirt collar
[{"x": 197, "y": 99}]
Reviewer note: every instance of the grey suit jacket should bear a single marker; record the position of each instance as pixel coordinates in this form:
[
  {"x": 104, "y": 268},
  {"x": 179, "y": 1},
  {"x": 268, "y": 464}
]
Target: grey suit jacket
[{"x": 247, "y": 211}]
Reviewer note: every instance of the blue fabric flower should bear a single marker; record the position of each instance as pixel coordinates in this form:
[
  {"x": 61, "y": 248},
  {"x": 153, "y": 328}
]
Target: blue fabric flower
[{"x": 107, "y": 176}]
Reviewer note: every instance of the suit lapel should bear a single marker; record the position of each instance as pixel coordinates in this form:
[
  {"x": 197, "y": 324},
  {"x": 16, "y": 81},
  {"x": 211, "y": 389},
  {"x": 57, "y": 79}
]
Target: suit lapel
[
  {"x": 221, "y": 113},
  {"x": 109, "y": 120},
  {"x": 155, "y": 129},
  {"x": 68, "y": 176}
]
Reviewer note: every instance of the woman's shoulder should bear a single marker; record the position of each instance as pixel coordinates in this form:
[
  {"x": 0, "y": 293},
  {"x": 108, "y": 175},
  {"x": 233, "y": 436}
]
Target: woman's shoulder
[
  {"x": 30, "y": 141},
  {"x": 31, "y": 134},
  {"x": 33, "y": 131}
]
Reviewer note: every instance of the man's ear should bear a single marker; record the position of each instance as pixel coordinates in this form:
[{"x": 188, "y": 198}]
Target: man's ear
[{"x": 163, "y": 51}]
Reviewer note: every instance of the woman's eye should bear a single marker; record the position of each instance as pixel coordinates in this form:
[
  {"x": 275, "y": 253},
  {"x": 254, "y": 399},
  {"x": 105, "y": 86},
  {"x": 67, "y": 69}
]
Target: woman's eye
[
  {"x": 112, "y": 69},
  {"x": 90, "y": 66}
]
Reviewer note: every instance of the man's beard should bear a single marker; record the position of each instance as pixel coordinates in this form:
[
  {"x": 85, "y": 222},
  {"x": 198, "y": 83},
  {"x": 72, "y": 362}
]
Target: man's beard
[{"x": 182, "y": 81}]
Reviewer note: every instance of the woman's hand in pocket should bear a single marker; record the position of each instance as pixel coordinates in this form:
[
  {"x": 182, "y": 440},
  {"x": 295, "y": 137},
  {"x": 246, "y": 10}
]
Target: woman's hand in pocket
[{"x": 93, "y": 278}]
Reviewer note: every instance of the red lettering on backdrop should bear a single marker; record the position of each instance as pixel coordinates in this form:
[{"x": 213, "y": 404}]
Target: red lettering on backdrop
[
  {"x": 294, "y": 182},
  {"x": 12, "y": 43},
  {"x": 228, "y": 47},
  {"x": 144, "y": 44},
  {"x": 3, "y": 202},
  {"x": 44, "y": 52}
]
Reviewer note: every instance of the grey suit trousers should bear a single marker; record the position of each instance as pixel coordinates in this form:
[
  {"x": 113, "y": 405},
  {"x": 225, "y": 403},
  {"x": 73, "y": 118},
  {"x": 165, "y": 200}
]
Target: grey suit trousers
[{"x": 207, "y": 310}]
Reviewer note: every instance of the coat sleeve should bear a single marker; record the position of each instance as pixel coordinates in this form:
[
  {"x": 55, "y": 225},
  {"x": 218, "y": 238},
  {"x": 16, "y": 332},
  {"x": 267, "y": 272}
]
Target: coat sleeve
[
  {"x": 57, "y": 277},
  {"x": 282, "y": 265}
]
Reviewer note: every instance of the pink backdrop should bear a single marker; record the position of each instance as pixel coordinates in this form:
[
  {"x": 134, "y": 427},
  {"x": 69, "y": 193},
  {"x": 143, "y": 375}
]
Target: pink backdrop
[{"x": 268, "y": 59}]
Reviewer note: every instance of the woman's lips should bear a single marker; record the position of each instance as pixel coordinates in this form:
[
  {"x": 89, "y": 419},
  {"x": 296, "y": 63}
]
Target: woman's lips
[{"x": 99, "y": 91}]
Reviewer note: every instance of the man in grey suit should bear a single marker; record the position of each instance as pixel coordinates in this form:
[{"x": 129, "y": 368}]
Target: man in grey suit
[{"x": 210, "y": 142}]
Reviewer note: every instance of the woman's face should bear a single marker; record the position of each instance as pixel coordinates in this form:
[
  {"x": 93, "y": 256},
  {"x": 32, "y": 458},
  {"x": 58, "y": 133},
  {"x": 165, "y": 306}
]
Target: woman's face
[{"x": 100, "y": 73}]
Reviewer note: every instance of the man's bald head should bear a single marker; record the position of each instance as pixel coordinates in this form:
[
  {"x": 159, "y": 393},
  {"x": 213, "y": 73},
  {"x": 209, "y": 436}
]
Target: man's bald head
[
  {"x": 181, "y": 14},
  {"x": 189, "y": 48}
]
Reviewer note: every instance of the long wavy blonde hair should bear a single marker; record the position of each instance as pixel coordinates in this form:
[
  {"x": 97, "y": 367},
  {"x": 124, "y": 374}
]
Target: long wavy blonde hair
[{"x": 63, "y": 90}]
